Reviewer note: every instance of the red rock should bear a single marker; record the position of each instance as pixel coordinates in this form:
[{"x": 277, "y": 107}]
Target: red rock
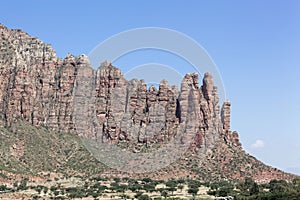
[{"x": 69, "y": 96}]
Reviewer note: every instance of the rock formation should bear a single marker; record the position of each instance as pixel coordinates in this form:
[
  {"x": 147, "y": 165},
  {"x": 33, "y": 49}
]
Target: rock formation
[
  {"x": 69, "y": 96},
  {"x": 41, "y": 88}
]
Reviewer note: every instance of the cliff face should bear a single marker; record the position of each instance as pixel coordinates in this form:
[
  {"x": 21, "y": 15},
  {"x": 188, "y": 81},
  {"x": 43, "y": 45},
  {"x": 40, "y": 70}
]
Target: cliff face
[
  {"x": 69, "y": 96},
  {"x": 37, "y": 86}
]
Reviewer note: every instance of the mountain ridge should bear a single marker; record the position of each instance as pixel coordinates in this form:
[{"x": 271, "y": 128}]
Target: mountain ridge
[{"x": 68, "y": 96}]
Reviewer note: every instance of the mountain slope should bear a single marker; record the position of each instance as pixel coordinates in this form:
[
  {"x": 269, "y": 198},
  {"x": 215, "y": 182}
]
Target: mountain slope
[{"x": 28, "y": 150}]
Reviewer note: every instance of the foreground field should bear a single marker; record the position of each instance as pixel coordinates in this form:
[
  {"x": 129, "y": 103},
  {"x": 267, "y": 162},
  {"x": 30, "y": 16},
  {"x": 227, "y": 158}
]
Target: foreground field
[
  {"x": 59, "y": 187},
  {"x": 36, "y": 163}
]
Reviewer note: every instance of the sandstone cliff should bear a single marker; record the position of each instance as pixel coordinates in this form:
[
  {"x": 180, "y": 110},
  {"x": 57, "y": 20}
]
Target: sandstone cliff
[
  {"x": 67, "y": 95},
  {"x": 43, "y": 89}
]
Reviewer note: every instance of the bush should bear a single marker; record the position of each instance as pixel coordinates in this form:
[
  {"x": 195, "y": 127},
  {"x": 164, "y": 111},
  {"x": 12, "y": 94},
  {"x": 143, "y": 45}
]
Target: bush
[
  {"x": 147, "y": 180},
  {"x": 134, "y": 187},
  {"x": 38, "y": 189},
  {"x": 117, "y": 180},
  {"x": 278, "y": 186},
  {"x": 144, "y": 197},
  {"x": 56, "y": 192},
  {"x": 23, "y": 185},
  {"x": 138, "y": 194},
  {"x": 164, "y": 193},
  {"x": 254, "y": 189},
  {"x": 75, "y": 192},
  {"x": 193, "y": 190},
  {"x": 3, "y": 187},
  {"x": 212, "y": 192},
  {"x": 171, "y": 183},
  {"x": 124, "y": 196},
  {"x": 194, "y": 183},
  {"x": 149, "y": 187},
  {"x": 45, "y": 190},
  {"x": 180, "y": 187}
]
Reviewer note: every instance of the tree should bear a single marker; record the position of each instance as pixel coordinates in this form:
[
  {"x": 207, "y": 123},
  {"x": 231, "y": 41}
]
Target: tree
[
  {"x": 23, "y": 184},
  {"x": 134, "y": 187},
  {"x": 95, "y": 195},
  {"x": 3, "y": 187},
  {"x": 193, "y": 191},
  {"x": 249, "y": 182},
  {"x": 144, "y": 197},
  {"x": 180, "y": 187},
  {"x": 56, "y": 193},
  {"x": 101, "y": 188},
  {"x": 53, "y": 188},
  {"x": 138, "y": 194},
  {"x": 212, "y": 192},
  {"x": 38, "y": 189},
  {"x": 124, "y": 196},
  {"x": 172, "y": 189},
  {"x": 223, "y": 192},
  {"x": 248, "y": 187},
  {"x": 16, "y": 184},
  {"x": 278, "y": 186},
  {"x": 171, "y": 184},
  {"x": 149, "y": 187},
  {"x": 45, "y": 190},
  {"x": 147, "y": 180},
  {"x": 194, "y": 183},
  {"x": 122, "y": 188},
  {"x": 181, "y": 181},
  {"x": 254, "y": 189},
  {"x": 117, "y": 180},
  {"x": 164, "y": 193},
  {"x": 296, "y": 183},
  {"x": 114, "y": 186}
]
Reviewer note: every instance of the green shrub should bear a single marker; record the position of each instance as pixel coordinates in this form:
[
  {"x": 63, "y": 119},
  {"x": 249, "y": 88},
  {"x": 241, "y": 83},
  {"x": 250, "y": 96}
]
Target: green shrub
[{"x": 144, "y": 197}]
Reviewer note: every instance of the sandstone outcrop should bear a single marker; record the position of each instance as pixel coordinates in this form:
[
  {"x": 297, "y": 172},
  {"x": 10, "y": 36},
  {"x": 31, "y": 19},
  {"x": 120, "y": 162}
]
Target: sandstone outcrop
[
  {"x": 45, "y": 90},
  {"x": 67, "y": 95}
]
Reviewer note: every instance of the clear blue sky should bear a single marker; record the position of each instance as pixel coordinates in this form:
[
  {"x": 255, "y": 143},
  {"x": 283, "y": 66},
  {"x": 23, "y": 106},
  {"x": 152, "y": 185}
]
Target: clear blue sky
[{"x": 255, "y": 44}]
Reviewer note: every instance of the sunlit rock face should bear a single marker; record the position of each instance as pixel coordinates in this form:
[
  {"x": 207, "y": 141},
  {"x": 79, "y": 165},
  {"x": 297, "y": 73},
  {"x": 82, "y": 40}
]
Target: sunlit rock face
[{"x": 67, "y": 95}]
